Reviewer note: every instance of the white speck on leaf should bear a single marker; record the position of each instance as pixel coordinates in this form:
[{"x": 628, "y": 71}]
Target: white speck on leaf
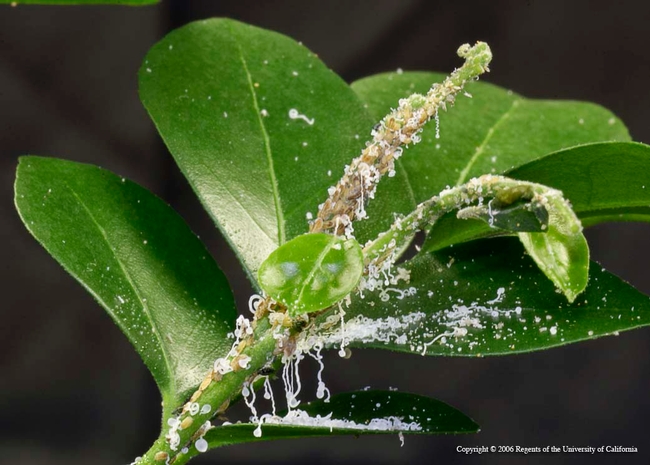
[{"x": 294, "y": 114}]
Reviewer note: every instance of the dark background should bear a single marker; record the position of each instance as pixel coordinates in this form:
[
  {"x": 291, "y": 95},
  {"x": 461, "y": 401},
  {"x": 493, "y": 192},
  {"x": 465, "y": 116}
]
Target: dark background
[{"x": 73, "y": 391}]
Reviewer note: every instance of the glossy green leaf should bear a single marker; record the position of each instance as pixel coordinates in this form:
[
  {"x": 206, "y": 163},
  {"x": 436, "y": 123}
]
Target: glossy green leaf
[
  {"x": 261, "y": 128},
  {"x": 414, "y": 414},
  {"x": 491, "y": 132},
  {"x": 604, "y": 182},
  {"x": 563, "y": 258},
  {"x": 139, "y": 259},
  {"x": 487, "y": 298},
  {"x": 312, "y": 272},
  {"x": 80, "y": 2},
  {"x": 561, "y": 252},
  {"x": 521, "y": 216}
]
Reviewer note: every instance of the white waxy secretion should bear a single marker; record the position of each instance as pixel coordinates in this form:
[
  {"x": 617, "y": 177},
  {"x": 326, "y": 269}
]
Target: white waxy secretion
[
  {"x": 295, "y": 114},
  {"x": 201, "y": 445}
]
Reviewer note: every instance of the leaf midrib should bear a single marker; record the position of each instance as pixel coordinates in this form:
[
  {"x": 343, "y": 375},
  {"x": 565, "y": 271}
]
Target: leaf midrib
[
  {"x": 407, "y": 180},
  {"x": 267, "y": 144},
  {"x": 316, "y": 267},
  {"x": 129, "y": 280},
  {"x": 480, "y": 149}
]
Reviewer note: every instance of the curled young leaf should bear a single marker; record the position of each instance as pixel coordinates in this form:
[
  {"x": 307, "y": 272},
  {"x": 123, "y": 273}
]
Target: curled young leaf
[
  {"x": 312, "y": 272},
  {"x": 562, "y": 252},
  {"x": 604, "y": 182},
  {"x": 528, "y": 208},
  {"x": 520, "y": 216}
]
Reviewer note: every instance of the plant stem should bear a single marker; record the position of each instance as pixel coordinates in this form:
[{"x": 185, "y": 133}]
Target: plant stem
[
  {"x": 217, "y": 394},
  {"x": 177, "y": 445},
  {"x": 398, "y": 129},
  {"x": 486, "y": 187}
]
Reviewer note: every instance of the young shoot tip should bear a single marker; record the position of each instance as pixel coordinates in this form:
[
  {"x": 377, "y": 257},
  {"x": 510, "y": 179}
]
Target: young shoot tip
[{"x": 478, "y": 55}]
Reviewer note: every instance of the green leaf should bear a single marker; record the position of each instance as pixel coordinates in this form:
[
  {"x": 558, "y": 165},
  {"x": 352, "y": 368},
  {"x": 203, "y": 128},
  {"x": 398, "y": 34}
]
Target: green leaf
[
  {"x": 561, "y": 252},
  {"x": 520, "y": 216},
  {"x": 425, "y": 416},
  {"x": 139, "y": 259},
  {"x": 563, "y": 258},
  {"x": 491, "y": 132},
  {"x": 556, "y": 243},
  {"x": 604, "y": 182},
  {"x": 486, "y": 298},
  {"x": 80, "y": 2},
  {"x": 312, "y": 272},
  {"x": 261, "y": 128}
]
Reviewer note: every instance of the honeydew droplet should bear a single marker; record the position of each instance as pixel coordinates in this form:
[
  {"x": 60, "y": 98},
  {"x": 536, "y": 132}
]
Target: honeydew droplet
[
  {"x": 194, "y": 408},
  {"x": 201, "y": 445}
]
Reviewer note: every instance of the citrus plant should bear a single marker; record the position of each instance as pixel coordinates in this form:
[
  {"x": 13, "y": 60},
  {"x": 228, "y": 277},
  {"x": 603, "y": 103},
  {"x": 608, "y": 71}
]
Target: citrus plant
[{"x": 323, "y": 189}]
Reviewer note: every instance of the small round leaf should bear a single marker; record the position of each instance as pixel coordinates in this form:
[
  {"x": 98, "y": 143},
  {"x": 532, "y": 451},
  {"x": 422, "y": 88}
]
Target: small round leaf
[{"x": 312, "y": 272}]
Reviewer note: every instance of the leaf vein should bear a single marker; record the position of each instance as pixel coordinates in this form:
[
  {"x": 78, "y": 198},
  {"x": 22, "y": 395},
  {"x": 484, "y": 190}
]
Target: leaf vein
[
  {"x": 479, "y": 150},
  {"x": 267, "y": 147},
  {"x": 407, "y": 180},
  {"x": 135, "y": 288}
]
